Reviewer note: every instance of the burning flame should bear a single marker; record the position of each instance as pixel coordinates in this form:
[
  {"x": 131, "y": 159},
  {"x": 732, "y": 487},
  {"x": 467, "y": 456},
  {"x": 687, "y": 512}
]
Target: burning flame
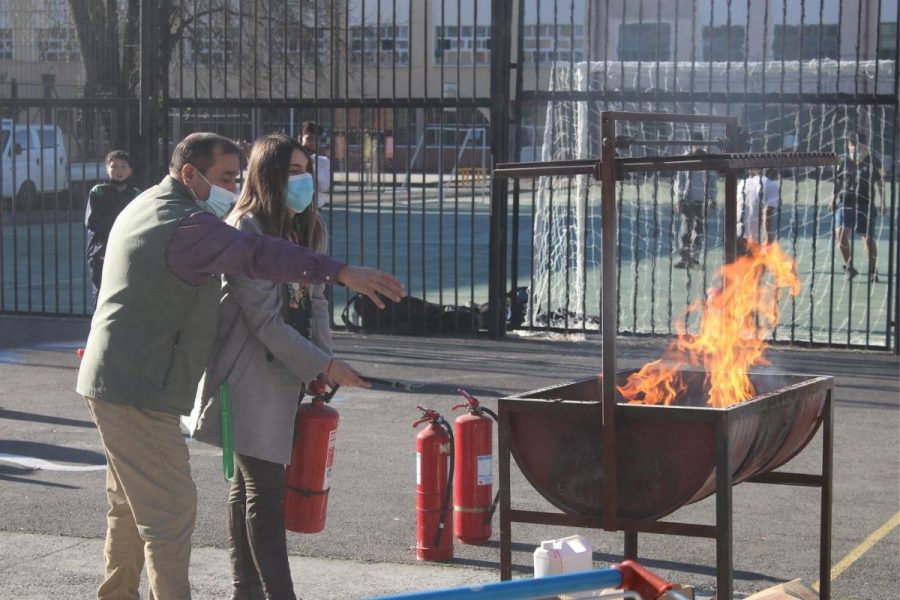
[{"x": 738, "y": 316}]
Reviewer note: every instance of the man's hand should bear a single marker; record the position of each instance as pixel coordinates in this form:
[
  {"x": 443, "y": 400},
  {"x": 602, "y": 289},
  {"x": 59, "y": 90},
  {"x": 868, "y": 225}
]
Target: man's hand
[
  {"x": 372, "y": 283},
  {"x": 341, "y": 373}
]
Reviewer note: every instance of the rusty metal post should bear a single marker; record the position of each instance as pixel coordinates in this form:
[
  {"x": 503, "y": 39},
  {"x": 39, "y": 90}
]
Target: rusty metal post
[
  {"x": 149, "y": 93},
  {"x": 724, "y": 509},
  {"x": 501, "y": 43},
  {"x": 505, "y": 525},
  {"x": 631, "y": 545},
  {"x": 825, "y": 525},
  {"x": 731, "y": 131},
  {"x": 608, "y": 307}
]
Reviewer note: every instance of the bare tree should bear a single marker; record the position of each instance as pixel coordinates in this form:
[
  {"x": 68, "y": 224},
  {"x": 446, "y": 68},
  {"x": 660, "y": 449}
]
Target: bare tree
[
  {"x": 260, "y": 49},
  {"x": 109, "y": 35},
  {"x": 108, "y": 40},
  {"x": 261, "y": 41}
]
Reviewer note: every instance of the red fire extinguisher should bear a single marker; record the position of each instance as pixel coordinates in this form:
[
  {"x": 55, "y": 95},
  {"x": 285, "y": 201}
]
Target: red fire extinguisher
[
  {"x": 309, "y": 474},
  {"x": 434, "y": 477},
  {"x": 473, "y": 480}
]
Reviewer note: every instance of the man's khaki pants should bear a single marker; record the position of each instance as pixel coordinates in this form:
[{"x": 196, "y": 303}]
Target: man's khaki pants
[{"x": 152, "y": 502}]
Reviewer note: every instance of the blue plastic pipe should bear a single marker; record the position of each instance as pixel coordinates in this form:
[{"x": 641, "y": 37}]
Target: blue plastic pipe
[{"x": 521, "y": 589}]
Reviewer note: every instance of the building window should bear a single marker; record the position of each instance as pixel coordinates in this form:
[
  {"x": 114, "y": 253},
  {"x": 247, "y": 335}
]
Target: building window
[
  {"x": 206, "y": 53},
  {"x": 805, "y": 42},
  {"x": 887, "y": 40},
  {"x": 57, "y": 44},
  {"x": 304, "y": 46},
  {"x": 647, "y": 42},
  {"x": 388, "y": 45},
  {"x": 205, "y": 47},
  {"x": 549, "y": 42},
  {"x": 723, "y": 43},
  {"x": 463, "y": 44},
  {"x": 6, "y": 44}
]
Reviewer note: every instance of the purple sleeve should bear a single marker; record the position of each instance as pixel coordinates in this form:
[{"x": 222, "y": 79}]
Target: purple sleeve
[{"x": 202, "y": 245}]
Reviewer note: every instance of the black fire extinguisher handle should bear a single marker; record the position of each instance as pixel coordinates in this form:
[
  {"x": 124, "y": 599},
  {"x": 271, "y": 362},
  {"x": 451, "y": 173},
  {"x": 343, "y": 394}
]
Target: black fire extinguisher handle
[
  {"x": 490, "y": 412},
  {"x": 330, "y": 393}
]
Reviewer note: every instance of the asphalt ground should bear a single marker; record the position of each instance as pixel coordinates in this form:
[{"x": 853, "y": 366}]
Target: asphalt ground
[{"x": 53, "y": 521}]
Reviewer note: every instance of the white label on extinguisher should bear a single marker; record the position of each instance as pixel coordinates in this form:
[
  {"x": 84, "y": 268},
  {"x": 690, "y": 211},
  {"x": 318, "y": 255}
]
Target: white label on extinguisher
[
  {"x": 329, "y": 461},
  {"x": 485, "y": 470},
  {"x": 418, "y": 468}
]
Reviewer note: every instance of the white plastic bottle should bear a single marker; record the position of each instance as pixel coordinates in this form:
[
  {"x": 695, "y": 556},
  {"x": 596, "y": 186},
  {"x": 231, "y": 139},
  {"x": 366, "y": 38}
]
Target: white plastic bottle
[{"x": 565, "y": 555}]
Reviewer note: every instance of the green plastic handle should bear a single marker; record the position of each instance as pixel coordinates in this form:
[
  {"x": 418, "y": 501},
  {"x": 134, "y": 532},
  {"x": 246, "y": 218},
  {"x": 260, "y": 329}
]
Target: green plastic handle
[{"x": 227, "y": 440}]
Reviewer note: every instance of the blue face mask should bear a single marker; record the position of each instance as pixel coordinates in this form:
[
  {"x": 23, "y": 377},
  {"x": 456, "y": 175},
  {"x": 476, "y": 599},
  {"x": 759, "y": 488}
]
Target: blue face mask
[
  {"x": 219, "y": 201},
  {"x": 300, "y": 192}
]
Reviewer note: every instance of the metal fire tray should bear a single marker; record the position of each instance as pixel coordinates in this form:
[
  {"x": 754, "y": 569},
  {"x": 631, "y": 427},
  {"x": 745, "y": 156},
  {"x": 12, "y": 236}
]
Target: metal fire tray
[{"x": 666, "y": 454}]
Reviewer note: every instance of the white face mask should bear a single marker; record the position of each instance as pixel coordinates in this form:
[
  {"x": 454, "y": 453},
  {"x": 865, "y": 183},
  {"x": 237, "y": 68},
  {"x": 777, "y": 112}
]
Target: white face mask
[{"x": 219, "y": 201}]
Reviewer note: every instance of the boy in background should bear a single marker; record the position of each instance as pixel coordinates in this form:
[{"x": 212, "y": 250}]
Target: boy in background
[
  {"x": 858, "y": 182},
  {"x": 758, "y": 201},
  {"x": 104, "y": 203},
  {"x": 310, "y": 137},
  {"x": 695, "y": 194}
]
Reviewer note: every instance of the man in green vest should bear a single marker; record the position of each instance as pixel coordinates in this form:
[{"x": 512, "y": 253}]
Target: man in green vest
[{"x": 152, "y": 333}]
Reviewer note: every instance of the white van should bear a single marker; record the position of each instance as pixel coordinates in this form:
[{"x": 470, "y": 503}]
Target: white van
[{"x": 34, "y": 162}]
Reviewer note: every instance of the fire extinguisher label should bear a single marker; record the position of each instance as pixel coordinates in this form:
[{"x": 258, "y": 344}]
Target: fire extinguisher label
[
  {"x": 485, "y": 470},
  {"x": 418, "y": 468},
  {"x": 329, "y": 461}
]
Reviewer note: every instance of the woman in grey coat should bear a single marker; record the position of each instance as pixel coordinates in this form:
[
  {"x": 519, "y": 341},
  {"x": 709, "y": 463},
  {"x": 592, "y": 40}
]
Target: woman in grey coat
[{"x": 272, "y": 339}]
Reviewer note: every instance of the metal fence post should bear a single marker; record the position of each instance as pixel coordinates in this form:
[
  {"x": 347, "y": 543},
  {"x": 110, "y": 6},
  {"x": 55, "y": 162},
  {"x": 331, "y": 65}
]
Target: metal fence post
[
  {"x": 149, "y": 93},
  {"x": 501, "y": 42}
]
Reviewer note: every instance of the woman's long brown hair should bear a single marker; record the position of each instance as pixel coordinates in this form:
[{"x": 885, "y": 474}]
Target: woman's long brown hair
[{"x": 263, "y": 192}]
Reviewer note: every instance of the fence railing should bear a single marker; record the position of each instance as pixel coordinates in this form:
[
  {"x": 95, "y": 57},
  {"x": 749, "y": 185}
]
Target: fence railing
[{"x": 407, "y": 96}]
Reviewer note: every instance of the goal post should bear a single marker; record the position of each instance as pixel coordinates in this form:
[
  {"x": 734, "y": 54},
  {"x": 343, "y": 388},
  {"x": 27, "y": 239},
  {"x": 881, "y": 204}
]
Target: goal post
[{"x": 790, "y": 106}]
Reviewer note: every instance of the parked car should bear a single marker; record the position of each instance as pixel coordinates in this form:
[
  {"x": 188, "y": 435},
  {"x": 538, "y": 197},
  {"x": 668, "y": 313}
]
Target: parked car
[{"x": 34, "y": 162}]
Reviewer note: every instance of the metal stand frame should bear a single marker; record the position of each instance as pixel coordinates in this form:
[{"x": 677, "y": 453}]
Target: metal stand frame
[
  {"x": 722, "y": 531},
  {"x": 608, "y": 169}
]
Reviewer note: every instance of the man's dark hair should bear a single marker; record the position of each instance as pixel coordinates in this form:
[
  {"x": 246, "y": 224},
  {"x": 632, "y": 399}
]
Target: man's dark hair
[
  {"x": 696, "y": 136},
  {"x": 117, "y": 155},
  {"x": 310, "y": 128},
  {"x": 200, "y": 150}
]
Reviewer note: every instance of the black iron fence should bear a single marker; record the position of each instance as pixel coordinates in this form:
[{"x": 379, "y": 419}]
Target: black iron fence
[
  {"x": 404, "y": 94},
  {"x": 800, "y": 76}
]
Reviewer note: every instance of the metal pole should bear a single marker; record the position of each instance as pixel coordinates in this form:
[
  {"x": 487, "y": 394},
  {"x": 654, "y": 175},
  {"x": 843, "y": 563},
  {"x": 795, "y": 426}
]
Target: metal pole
[
  {"x": 827, "y": 474},
  {"x": 724, "y": 508},
  {"x": 149, "y": 91},
  {"x": 731, "y": 197},
  {"x": 631, "y": 545},
  {"x": 501, "y": 42},
  {"x": 505, "y": 527},
  {"x": 541, "y": 587},
  {"x": 608, "y": 266}
]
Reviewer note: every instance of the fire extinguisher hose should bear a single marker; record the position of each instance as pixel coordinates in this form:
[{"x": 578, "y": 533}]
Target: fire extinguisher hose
[
  {"x": 227, "y": 437},
  {"x": 489, "y": 515},
  {"x": 448, "y": 492}
]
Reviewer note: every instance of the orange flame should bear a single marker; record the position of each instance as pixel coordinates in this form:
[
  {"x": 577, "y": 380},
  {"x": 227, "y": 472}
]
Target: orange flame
[{"x": 738, "y": 316}]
